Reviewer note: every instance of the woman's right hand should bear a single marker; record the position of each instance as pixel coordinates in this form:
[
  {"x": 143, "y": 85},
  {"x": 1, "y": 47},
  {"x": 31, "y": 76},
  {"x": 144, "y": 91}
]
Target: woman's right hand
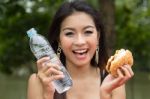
[
  {"x": 48, "y": 72},
  {"x": 115, "y": 86}
]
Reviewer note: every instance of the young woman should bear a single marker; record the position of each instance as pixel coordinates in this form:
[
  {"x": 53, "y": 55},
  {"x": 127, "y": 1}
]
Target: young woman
[{"x": 77, "y": 30}]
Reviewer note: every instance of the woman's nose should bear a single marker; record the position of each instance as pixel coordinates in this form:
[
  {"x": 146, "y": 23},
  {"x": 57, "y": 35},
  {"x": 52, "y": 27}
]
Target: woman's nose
[{"x": 80, "y": 40}]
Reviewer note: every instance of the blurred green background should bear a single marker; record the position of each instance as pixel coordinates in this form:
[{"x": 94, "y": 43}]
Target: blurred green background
[{"x": 127, "y": 25}]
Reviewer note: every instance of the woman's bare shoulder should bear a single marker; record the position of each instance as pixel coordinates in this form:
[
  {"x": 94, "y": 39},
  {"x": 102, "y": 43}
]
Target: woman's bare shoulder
[
  {"x": 33, "y": 79},
  {"x": 34, "y": 90},
  {"x": 34, "y": 82}
]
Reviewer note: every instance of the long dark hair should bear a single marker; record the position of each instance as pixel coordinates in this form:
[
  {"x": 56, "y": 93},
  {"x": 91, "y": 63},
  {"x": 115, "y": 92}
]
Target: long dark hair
[{"x": 66, "y": 10}]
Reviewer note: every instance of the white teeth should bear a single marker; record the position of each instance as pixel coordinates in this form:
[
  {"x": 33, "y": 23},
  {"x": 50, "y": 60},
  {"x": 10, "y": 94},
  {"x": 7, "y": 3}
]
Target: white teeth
[{"x": 80, "y": 51}]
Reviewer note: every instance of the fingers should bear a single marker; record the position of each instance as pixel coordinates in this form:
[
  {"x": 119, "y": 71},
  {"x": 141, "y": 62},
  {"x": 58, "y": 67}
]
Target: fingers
[
  {"x": 110, "y": 82},
  {"x": 53, "y": 74},
  {"x": 124, "y": 74},
  {"x": 53, "y": 65},
  {"x": 53, "y": 71},
  {"x": 56, "y": 77},
  {"x": 50, "y": 75},
  {"x": 129, "y": 69},
  {"x": 44, "y": 63},
  {"x": 47, "y": 71},
  {"x": 48, "y": 66},
  {"x": 41, "y": 62}
]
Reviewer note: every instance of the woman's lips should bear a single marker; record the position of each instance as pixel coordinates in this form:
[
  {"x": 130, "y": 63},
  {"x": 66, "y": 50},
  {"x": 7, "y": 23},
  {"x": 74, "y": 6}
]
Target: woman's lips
[{"x": 80, "y": 53}]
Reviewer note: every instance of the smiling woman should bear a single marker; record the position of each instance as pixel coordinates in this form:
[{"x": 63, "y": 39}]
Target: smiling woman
[
  {"x": 77, "y": 30},
  {"x": 78, "y": 41}
]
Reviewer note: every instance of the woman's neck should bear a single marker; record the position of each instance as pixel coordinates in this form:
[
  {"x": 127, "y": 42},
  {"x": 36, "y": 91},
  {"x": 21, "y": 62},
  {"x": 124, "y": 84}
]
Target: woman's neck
[{"x": 82, "y": 71}]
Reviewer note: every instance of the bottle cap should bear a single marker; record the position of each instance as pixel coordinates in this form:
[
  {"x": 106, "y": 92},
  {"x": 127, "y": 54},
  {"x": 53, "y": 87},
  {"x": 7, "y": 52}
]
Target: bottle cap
[{"x": 31, "y": 32}]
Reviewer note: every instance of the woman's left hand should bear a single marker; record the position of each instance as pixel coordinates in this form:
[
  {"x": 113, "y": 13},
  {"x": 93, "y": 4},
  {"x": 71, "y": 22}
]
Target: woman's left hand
[{"x": 110, "y": 82}]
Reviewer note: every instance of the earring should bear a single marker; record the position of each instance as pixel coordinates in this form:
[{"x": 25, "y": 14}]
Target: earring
[
  {"x": 58, "y": 51},
  {"x": 96, "y": 55}
]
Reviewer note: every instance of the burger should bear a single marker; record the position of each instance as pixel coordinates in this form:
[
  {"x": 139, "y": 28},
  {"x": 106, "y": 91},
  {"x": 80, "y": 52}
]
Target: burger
[{"x": 120, "y": 58}]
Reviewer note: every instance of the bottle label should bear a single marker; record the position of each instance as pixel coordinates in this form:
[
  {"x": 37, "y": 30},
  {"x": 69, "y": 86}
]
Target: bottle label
[{"x": 45, "y": 51}]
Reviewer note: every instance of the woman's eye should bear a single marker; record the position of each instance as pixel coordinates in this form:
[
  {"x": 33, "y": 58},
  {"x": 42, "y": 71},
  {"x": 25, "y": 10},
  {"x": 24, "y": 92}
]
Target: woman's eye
[
  {"x": 88, "y": 32},
  {"x": 69, "y": 33}
]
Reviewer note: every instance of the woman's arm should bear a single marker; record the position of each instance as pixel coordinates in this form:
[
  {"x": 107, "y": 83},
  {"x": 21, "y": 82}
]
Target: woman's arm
[
  {"x": 40, "y": 85},
  {"x": 115, "y": 94},
  {"x": 35, "y": 89},
  {"x": 119, "y": 92}
]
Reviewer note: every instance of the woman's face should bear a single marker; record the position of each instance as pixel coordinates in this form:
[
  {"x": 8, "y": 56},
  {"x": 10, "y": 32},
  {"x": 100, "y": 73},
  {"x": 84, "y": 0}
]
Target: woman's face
[{"x": 78, "y": 39}]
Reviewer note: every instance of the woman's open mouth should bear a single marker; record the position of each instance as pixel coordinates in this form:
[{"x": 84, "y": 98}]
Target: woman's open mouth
[{"x": 80, "y": 53}]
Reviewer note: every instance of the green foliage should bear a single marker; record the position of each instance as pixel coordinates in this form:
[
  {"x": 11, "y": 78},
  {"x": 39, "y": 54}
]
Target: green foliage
[
  {"x": 133, "y": 21},
  {"x": 16, "y": 17},
  {"x": 94, "y": 3}
]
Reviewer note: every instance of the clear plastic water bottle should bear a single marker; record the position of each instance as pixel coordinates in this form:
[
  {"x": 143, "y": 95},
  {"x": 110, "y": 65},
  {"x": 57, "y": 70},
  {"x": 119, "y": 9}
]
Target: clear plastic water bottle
[{"x": 40, "y": 47}]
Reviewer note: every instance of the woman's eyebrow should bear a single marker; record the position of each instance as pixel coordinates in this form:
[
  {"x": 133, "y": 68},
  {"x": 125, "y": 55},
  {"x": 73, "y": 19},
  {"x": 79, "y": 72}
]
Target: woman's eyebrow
[
  {"x": 89, "y": 26},
  {"x": 68, "y": 28}
]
